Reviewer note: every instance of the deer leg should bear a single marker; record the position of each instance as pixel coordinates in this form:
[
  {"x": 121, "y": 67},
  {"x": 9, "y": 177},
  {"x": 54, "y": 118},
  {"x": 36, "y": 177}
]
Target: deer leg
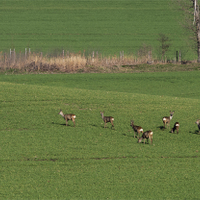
[
  {"x": 112, "y": 124},
  {"x": 66, "y": 122},
  {"x": 104, "y": 124},
  {"x": 164, "y": 123},
  {"x": 73, "y": 121},
  {"x": 138, "y": 133},
  {"x": 144, "y": 140}
]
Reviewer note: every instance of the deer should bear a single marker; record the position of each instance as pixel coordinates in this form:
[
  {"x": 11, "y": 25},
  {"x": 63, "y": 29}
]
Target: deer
[
  {"x": 107, "y": 119},
  {"x": 68, "y": 117},
  {"x": 146, "y": 135},
  {"x": 137, "y": 129},
  {"x": 175, "y": 128},
  {"x": 198, "y": 124},
  {"x": 166, "y": 120}
]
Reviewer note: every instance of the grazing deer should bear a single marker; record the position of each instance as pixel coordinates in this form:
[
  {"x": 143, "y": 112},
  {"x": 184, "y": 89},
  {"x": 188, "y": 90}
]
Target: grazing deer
[
  {"x": 146, "y": 135},
  {"x": 166, "y": 120},
  {"x": 137, "y": 129},
  {"x": 175, "y": 128},
  {"x": 107, "y": 119},
  {"x": 68, "y": 117},
  {"x": 198, "y": 124}
]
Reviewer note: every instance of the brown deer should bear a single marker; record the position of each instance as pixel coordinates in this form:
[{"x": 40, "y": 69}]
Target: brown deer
[
  {"x": 137, "y": 129},
  {"x": 146, "y": 135},
  {"x": 175, "y": 128},
  {"x": 107, "y": 119},
  {"x": 198, "y": 124},
  {"x": 166, "y": 120},
  {"x": 68, "y": 117}
]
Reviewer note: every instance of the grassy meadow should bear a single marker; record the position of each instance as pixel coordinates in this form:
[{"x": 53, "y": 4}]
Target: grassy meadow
[
  {"x": 106, "y": 26},
  {"x": 41, "y": 158}
]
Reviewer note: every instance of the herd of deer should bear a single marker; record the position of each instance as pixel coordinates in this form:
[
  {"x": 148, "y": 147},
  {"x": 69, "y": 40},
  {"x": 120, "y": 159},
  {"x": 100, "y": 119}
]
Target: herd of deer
[{"x": 137, "y": 129}]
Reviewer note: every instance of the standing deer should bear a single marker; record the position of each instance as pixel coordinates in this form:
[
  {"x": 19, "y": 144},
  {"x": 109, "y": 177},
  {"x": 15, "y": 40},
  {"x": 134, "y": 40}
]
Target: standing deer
[
  {"x": 146, "y": 135},
  {"x": 107, "y": 119},
  {"x": 68, "y": 117},
  {"x": 198, "y": 124},
  {"x": 166, "y": 120},
  {"x": 137, "y": 129},
  {"x": 175, "y": 128}
]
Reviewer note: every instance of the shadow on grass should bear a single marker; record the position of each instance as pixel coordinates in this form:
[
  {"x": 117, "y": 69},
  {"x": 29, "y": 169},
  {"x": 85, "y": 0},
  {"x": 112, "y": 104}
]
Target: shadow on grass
[
  {"x": 147, "y": 142},
  {"x": 195, "y": 132},
  {"x": 128, "y": 135},
  {"x": 62, "y": 124},
  {"x": 108, "y": 127},
  {"x": 95, "y": 125},
  {"x": 161, "y": 128}
]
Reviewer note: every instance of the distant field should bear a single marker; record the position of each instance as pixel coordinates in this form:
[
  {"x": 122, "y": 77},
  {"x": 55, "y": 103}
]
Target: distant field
[
  {"x": 106, "y": 26},
  {"x": 41, "y": 158}
]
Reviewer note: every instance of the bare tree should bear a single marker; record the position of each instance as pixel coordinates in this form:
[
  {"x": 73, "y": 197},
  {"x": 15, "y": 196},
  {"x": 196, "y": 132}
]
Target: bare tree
[
  {"x": 191, "y": 21},
  {"x": 164, "y": 44}
]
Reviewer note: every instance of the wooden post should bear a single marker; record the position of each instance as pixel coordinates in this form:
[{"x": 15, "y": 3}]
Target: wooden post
[
  {"x": 12, "y": 58},
  {"x": 176, "y": 56},
  {"x": 93, "y": 56},
  {"x": 179, "y": 59},
  {"x": 25, "y": 53}
]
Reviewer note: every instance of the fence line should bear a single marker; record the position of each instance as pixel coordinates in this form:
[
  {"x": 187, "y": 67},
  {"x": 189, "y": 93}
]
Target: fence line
[{"x": 78, "y": 60}]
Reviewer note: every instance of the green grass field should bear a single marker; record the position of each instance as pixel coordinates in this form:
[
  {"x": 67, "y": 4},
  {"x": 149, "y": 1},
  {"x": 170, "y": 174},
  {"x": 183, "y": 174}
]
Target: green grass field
[
  {"x": 106, "y": 26},
  {"x": 41, "y": 158}
]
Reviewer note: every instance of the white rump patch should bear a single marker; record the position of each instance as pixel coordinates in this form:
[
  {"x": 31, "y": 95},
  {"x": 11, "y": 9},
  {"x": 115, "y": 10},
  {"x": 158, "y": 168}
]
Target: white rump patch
[
  {"x": 164, "y": 119},
  {"x": 74, "y": 116},
  {"x": 151, "y": 133},
  {"x": 112, "y": 119},
  {"x": 141, "y": 129},
  {"x": 177, "y": 124}
]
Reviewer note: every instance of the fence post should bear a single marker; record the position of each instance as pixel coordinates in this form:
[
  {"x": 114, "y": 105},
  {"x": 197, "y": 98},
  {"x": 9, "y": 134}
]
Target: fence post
[
  {"x": 176, "y": 56},
  {"x": 93, "y": 56},
  {"x": 25, "y": 53},
  {"x": 179, "y": 57},
  {"x": 12, "y": 60}
]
